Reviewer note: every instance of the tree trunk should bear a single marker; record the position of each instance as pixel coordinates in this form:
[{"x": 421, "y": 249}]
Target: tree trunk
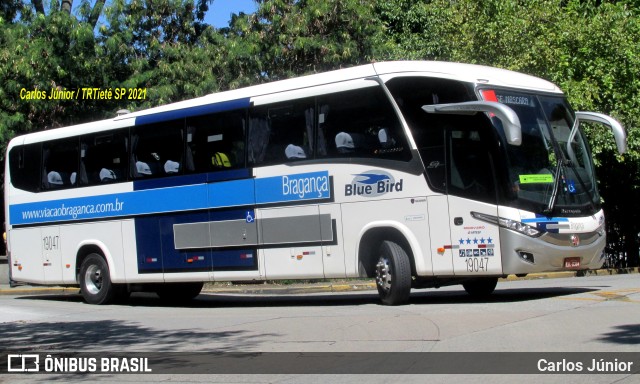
[
  {"x": 67, "y": 5},
  {"x": 37, "y": 4},
  {"x": 95, "y": 13}
]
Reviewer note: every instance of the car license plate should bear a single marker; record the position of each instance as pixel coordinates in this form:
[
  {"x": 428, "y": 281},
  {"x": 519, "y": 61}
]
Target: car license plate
[{"x": 572, "y": 262}]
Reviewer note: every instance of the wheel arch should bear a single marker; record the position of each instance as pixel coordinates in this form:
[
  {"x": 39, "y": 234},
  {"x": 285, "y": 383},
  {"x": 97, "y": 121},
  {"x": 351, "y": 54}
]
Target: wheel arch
[
  {"x": 372, "y": 236},
  {"x": 86, "y": 248}
]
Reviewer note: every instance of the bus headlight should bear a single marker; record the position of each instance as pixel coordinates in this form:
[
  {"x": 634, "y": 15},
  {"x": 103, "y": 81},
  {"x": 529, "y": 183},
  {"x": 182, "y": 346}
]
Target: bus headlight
[{"x": 508, "y": 223}]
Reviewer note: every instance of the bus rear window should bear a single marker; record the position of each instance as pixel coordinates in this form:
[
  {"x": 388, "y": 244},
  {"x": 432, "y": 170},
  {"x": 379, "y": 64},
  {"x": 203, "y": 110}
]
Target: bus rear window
[{"x": 24, "y": 166}]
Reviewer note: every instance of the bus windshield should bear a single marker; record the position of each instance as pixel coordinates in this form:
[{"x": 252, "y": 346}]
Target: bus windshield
[{"x": 551, "y": 172}]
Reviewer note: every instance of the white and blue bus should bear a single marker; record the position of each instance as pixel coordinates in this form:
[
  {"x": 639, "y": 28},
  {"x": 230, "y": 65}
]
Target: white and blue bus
[{"x": 417, "y": 174}]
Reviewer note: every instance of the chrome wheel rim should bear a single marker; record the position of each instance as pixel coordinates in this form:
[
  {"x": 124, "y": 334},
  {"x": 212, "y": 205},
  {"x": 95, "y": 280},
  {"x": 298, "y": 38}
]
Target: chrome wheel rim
[
  {"x": 383, "y": 274},
  {"x": 93, "y": 279}
]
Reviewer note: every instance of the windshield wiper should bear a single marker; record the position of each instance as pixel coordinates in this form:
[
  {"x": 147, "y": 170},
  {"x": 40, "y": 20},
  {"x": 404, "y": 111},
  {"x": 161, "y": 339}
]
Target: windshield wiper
[
  {"x": 558, "y": 175},
  {"x": 572, "y": 164}
]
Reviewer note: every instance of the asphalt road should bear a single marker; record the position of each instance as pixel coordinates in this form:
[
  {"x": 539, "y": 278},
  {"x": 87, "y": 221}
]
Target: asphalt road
[{"x": 587, "y": 314}]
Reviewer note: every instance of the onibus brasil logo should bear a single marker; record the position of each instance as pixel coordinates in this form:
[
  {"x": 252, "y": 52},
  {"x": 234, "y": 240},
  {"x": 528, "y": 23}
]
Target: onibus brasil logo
[{"x": 372, "y": 184}]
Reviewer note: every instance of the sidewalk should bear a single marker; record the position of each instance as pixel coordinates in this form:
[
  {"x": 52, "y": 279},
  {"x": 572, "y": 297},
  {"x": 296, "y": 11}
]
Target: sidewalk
[{"x": 341, "y": 285}]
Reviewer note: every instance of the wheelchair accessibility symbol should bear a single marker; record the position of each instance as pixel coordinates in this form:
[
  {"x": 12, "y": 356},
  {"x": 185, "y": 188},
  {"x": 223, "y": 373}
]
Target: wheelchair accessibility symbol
[
  {"x": 250, "y": 218},
  {"x": 571, "y": 186}
]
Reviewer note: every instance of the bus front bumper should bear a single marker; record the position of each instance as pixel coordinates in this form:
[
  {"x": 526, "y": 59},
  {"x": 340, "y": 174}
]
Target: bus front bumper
[{"x": 550, "y": 253}]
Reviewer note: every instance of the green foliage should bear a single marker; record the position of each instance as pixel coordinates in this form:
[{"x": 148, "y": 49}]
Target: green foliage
[
  {"x": 285, "y": 38},
  {"x": 53, "y": 52},
  {"x": 153, "y": 45},
  {"x": 162, "y": 46}
]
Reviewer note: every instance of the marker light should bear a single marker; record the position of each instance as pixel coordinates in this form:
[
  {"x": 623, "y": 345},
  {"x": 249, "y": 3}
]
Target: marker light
[{"x": 489, "y": 95}]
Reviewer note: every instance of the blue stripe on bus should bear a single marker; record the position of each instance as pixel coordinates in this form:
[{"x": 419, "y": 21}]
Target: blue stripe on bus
[
  {"x": 167, "y": 182},
  {"x": 200, "y": 178},
  {"x": 288, "y": 188},
  {"x": 224, "y": 194},
  {"x": 543, "y": 219},
  {"x": 193, "y": 111}
]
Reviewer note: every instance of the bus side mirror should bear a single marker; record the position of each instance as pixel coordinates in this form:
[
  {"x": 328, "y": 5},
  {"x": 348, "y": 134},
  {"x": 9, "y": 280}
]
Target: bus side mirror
[
  {"x": 510, "y": 121},
  {"x": 618, "y": 131}
]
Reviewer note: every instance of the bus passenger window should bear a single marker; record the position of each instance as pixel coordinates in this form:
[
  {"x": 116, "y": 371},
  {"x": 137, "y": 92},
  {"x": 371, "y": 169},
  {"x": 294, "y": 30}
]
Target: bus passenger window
[
  {"x": 104, "y": 157},
  {"x": 157, "y": 149},
  {"x": 360, "y": 123},
  {"x": 432, "y": 150},
  {"x": 215, "y": 142},
  {"x": 60, "y": 164},
  {"x": 282, "y": 132}
]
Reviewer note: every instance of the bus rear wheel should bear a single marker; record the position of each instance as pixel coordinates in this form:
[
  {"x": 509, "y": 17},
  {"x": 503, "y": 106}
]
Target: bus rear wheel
[
  {"x": 393, "y": 274},
  {"x": 177, "y": 292},
  {"x": 95, "y": 281},
  {"x": 480, "y": 288}
]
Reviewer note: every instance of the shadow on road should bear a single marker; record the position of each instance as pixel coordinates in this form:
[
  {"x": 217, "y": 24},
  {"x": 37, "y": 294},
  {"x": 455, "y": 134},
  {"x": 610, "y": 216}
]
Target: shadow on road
[
  {"x": 86, "y": 336},
  {"x": 628, "y": 334},
  {"x": 512, "y": 295},
  {"x": 418, "y": 297}
]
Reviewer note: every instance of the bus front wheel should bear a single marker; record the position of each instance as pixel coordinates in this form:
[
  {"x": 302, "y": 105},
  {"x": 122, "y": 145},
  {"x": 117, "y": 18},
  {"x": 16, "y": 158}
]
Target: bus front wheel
[
  {"x": 480, "y": 288},
  {"x": 95, "y": 282},
  {"x": 393, "y": 274}
]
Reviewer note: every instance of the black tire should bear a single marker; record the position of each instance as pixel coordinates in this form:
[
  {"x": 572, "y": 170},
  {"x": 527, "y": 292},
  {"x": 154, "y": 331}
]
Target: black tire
[
  {"x": 95, "y": 281},
  {"x": 179, "y": 292},
  {"x": 480, "y": 288},
  {"x": 393, "y": 274}
]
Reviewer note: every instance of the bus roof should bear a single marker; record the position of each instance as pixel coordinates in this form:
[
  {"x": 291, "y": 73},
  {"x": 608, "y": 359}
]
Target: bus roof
[{"x": 457, "y": 71}]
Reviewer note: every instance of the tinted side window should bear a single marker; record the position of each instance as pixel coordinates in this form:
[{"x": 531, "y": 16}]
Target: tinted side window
[
  {"x": 432, "y": 151},
  {"x": 157, "y": 149},
  {"x": 104, "y": 157},
  {"x": 24, "y": 166},
  {"x": 215, "y": 142},
  {"x": 60, "y": 164},
  {"x": 470, "y": 166},
  {"x": 360, "y": 123},
  {"x": 428, "y": 130},
  {"x": 281, "y": 132}
]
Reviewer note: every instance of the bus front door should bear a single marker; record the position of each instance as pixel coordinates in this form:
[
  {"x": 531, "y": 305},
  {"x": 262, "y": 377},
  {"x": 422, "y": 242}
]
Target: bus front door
[{"x": 471, "y": 191}]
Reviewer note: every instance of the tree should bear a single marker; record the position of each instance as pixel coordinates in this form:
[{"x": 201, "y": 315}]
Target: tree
[
  {"x": 54, "y": 52},
  {"x": 285, "y": 38},
  {"x": 43, "y": 52}
]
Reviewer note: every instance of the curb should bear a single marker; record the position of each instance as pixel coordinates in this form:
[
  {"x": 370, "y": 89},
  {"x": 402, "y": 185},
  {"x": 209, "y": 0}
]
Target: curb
[
  {"x": 31, "y": 290},
  {"x": 354, "y": 286},
  {"x": 293, "y": 289}
]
